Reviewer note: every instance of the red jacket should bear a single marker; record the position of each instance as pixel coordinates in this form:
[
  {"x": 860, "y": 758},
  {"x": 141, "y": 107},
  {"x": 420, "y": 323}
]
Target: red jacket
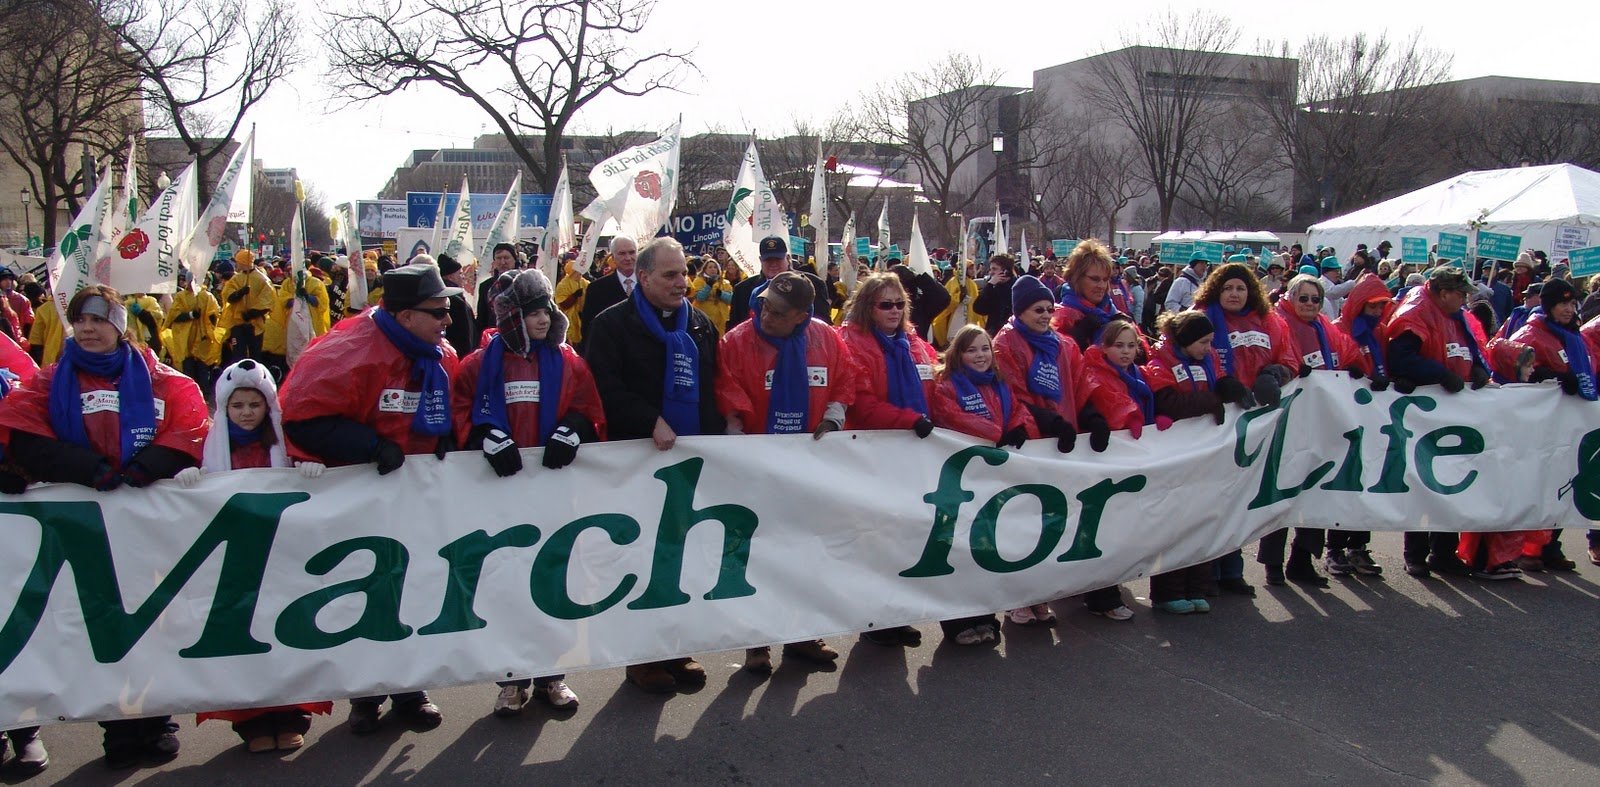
[
  {"x": 355, "y": 372},
  {"x": 1442, "y": 340},
  {"x": 1368, "y": 288},
  {"x": 578, "y": 394},
  {"x": 1258, "y": 341},
  {"x": 1012, "y": 357},
  {"x": 1549, "y": 353},
  {"x": 872, "y": 409},
  {"x": 745, "y": 361},
  {"x": 1108, "y": 392},
  {"x": 17, "y": 361},
  {"x": 947, "y": 413},
  {"x": 1501, "y": 355},
  {"x": 1591, "y": 336},
  {"x": 1346, "y": 353},
  {"x": 1164, "y": 371},
  {"x": 181, "y": 415},
  {"x": 245, "y": 457}
]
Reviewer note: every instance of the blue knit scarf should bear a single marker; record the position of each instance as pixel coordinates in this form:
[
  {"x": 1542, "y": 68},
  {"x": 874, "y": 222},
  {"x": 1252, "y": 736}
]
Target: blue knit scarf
[
  {"x": 136, "y": 402},
  {"x": 1362, "y": 330},
  {"x": 1322, "y": 343},
  {"x": 1133, "y": 378},
  {"x": 1098, "y": 314},
  {"x": 433, "y": 408},
  {"x": 1577, "y": 357},
  {"x": 905, "y": 385},
  {"x": 1203, "y": 363},
  {"x": 1220, "y": 341},
  {"x": 680, "y": 384},
  {"x": 966, "y": 382},
  {"x": 238, "y": 435},
  {"x": 789, "y": 404},
  {"x": 1044, "y": 373},
  {"x": 489, "y": 408}
]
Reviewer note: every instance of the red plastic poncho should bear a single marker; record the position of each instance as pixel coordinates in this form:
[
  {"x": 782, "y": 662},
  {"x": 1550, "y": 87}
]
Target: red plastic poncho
[
  {"x": 1502, "y": 355},
  {"x": 947, "y": 413},
  {"x": 355, "y": 372},
  {"x": 181, "y": 415},
  {"x": 1258, "y": 341},
  {"x": 1108, "y": 392},
  {"x": 1442, "y": 338},
  {"x": 1548, "y": 351},
  {"x": 578, "y": 394},
  {"x": 17, "y": 361},
  {"x": 744, "y": 361},
  {"x": 1013, "y": 356},
  {"x": 1164, "y": 371},
  {"x": 1591, "y": 336},
  {"x": 872, "y": 409},
  {"x": 1346, "y": 353}
]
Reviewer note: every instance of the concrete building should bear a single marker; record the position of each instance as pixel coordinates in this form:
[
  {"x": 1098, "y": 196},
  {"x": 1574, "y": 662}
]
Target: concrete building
[{"x": 281, "y": 179}]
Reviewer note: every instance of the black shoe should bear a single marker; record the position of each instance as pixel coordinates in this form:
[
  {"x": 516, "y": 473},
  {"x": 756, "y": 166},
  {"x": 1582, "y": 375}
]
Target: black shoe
[
  {"x": 162, "y": 748},
  {"x": 365, "y": 717},
  {"x": 1237, "y": 586},
  {"x": 420, "y": 715},
  {"x": 1450, "y": 565},
  {"x": 1559, "y": 563},
  {"x": 889, "y": 638},
  {"x": 1418, "y": 570},
  {"x": 121, "y": 758},
  {"x": 1305, "y": 575},
  {"x": 1275, "y": 575},
  {"x": 910, "y": 636}
]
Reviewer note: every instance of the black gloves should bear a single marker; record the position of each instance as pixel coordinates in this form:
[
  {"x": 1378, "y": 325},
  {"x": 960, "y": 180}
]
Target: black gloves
[
  {"x": 1267, "y": 390},
  {"x": 1058, "y": 427},
  {"x": 192, "y": 314},
  {"x": 1305, "y": 371},
  {"x": 1379, "y": 382},
  {"x": 562, "y": 447},
  {"x": 1230, "y": 390},
  {"x": 1218, "y": 414},
  {"x": 11, "y": 483},
  {"x": 923, "y": 427},
  {"x": 1014, "y": 438},
  {"x": 388, "y": 456},
  {"x": 1480, "y": 377},
  {"x": 1404, "y": 385},
  {"x": 1066, "y": 440},
  {"x": 502, "y": 453},
  {"x": 1099, "y": 431},
  {"x": 1452, "y": 382},
  {"x": 1355, "y": 373},
  {"x": 1569, "y": 384},
  {"x": 106, "y": 477},
  {"x": 238, "y": 295},
  {"x": 1282, "y": 374},
  {"x": 253, "y": 314},
  {"x": 154, "y": 463}
]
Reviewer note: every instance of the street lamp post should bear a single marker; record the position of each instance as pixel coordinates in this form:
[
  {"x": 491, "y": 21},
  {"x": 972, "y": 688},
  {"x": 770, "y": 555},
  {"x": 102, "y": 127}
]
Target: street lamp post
[{"x": 27, "y": 218}]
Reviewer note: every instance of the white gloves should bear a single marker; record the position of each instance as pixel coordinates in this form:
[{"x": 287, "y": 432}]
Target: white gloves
[
  {"x": 188, "y": 477},
  {"x": 310, "y": 469}
]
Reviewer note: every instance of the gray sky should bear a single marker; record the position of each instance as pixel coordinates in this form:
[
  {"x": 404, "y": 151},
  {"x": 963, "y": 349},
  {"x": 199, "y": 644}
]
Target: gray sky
[{"x": 348, "y": 152}]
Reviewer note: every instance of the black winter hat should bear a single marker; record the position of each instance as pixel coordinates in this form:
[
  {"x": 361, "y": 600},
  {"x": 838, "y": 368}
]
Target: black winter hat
[
  {"x": 1556, "y": 292},
  {"x": 1191, "y": 326}
]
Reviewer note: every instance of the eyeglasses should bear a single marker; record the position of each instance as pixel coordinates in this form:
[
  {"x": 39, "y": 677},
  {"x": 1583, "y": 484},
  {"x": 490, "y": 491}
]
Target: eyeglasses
[
  {"x": 887, "y": 306},
  {"x": 1043, "y": 308},
  {"x": 437, "y": 314},
  {"x": 1310, "y": 299}
]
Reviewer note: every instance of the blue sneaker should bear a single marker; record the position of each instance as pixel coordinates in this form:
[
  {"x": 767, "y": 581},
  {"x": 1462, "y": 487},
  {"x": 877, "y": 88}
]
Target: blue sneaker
[
  {"x": 1177, "y": 606},
  {"x": 1200, "y": 604}
]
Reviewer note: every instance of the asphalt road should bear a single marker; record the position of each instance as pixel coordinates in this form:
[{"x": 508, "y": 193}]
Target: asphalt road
[{"x": 1372, "y": 682}]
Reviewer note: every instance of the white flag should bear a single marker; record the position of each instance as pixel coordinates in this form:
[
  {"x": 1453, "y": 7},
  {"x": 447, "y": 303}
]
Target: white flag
[
  {"x": 355, "y": 290},
  {"x": 964, "y": 252},
  {"x": 999, "y": 234},
  {"x": 441, "y": 223},
  {"x": 146, "y": 256},
  {"x": 640, "y": 185},
  {"x": 125, "y": 210},
  {"x": 201, "y": 245},
  {"x": 559, "y": 232},
  {"x": 847, "y": 245},
  {"x": 883, "y": 234},
  {"x": 917, "y": 258},
  {"x": 458, "y": 244},
  {"x": 244, "y": 193},
  {"x": 297, "y": 328},
  {"x": 819, "y": 212},
  {"x": 1023, "y": 253},
  {"x": 77, "y": 258},
  {"x": 753, "y": 213},
  {"x": 507, "y": 223}
]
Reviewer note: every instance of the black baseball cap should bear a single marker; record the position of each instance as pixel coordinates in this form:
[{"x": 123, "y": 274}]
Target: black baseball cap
[
  {"x": 774, "y": 247},
  {"x": 409, "y": 285}
]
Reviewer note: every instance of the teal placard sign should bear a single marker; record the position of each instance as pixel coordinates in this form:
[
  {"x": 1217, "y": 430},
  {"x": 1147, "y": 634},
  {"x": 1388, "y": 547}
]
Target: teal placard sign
[
  {"x": 1452, "y": 246},
  {"x": 894, "y": 251},
  {"x": 1585, "y": 262},
  {"x": 1063, "y": 248},
  {"x": 1212, "y": 251},
  {"x": 797, "y": 246},
  {"x": 1495, "y": 246},
  {"x": 1414, "y": 250},
  {"x": 863, "y": 248},
  {"x": 1176, "y": 252}
]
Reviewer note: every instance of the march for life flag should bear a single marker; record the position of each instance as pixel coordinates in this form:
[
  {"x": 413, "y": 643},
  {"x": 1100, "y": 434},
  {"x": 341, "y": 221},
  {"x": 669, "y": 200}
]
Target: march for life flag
[
  {"x": 819, "y": 209},
  {"x": 504, "y": 229},
  {"x": 201, "y": 245},
  {"x": 639, "y": 186},
  {"x": 559, "y": 230},
  {"x": 753, "y": 213},
  {"x": 847, "y": 245},
  {"x": 883, "y": 233},
  {"x": 356, "y": 290},
  {"x": 144, "y": 258},
  {"x": 440, "y": 222},
  {"x": 239, "y": 202},
  {"x": 918, "y": 259},
  {"x": 298, "y": 330},
  {"x": 77, "y": 255},
  {"x": 125, "y": 209},
  {"x": 966, "y": 251},
  {"x": 458, "y": 243}
]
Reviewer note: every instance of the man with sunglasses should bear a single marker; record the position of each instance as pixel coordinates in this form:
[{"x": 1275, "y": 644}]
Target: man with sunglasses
[{"x": 374, "y": 389}]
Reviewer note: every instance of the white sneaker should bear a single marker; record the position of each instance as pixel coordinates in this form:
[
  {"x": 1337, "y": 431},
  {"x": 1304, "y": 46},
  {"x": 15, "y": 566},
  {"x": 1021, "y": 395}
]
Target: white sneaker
[
  {"x": 559, "y": 695},
  {"x": 510, "y": 701},
  {"x": 1119, "y": 613}
]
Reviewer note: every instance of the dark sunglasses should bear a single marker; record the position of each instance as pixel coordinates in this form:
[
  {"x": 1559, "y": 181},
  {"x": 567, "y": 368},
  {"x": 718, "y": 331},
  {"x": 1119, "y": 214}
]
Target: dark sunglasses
[
  {"x": 885, "y": 306},
  {"x": 1310, "y": 299},
  {"x": 437, "y": 314}
]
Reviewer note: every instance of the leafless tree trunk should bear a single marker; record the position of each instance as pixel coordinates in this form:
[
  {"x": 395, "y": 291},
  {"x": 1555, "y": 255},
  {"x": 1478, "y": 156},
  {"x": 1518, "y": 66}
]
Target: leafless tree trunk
[
  {"x": 1229, "y": 181},
  {"x": 531, "y": 66},
  {"x": 1537, "y": 128}
]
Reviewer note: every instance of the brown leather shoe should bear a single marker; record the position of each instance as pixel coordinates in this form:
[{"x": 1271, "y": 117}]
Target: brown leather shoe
[
  {"x": 652, "y": 678},
  {"x": 814, "y": 651},
  {"x": 686, "y": 671},
  {"x": 758, "y": 660}
]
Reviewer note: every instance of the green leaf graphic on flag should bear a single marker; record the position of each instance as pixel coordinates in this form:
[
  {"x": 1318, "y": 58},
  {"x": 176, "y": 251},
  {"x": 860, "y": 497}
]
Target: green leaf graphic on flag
[
  {"x": 739, "y": 195},
  {"x": 73, "y": 240},
  {"x": 1585, "y": 486}
]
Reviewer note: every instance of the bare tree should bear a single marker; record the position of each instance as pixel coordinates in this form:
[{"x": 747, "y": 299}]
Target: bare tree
[
  {"x": 530, "y": 67},
  {"x": 1366, "y": 121},
  {"x": 1540, "y": 127},
  {"x": 65, "y": 88},
  {"x": 204, "y": 63},
  {"x": 1086, "y": 183},
  {"x": 1164, "y": 88},
  {"x": 1228, "y": 187}
]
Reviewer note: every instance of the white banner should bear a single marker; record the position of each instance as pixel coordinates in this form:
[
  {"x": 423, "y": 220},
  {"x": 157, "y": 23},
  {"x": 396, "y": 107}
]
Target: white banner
[{"x": 441, "y": 573}]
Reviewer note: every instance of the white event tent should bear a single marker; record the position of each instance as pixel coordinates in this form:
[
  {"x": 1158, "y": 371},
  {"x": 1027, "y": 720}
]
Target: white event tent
[{"x": 1540, "y": 204}]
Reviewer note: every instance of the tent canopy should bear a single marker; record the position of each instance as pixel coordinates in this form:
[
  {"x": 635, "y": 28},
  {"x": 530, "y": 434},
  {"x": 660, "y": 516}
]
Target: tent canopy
[
  {"x": 1229, "y": 236},
  {"x": 1555, "y": 208}
]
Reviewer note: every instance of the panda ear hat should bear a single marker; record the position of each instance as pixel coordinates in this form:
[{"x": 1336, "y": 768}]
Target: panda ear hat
[{"x": 217, "y": 455}]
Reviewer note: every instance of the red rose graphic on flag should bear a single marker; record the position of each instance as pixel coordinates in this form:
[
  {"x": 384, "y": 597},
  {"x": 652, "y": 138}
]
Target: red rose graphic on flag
[
  {"x": 215, "y": 228},
  {"x": 648, "y": 184},
  {"x": 133, "y": 244},
  {"x": 102, "y": 270}
]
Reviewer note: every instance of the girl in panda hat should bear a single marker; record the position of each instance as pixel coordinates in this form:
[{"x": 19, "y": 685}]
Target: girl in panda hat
[{"x": 247, "y": 432}]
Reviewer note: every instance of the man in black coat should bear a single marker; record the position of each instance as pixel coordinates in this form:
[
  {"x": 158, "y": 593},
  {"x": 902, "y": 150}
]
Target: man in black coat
[
  {"x": 615, "y": 287},
  {"x": 505, "y": 258},
  {"x": 928, "y": 297},
  {"x": 462, "y": 333},
  {"x": 994, "y": 300},
  {"x": 775, "y": 260},
  {"x": 629, "y": 367}
]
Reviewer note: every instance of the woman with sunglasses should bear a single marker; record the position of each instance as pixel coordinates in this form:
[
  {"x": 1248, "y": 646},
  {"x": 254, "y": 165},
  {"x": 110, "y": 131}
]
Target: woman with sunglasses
[{"x": 894, "y": 382}]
